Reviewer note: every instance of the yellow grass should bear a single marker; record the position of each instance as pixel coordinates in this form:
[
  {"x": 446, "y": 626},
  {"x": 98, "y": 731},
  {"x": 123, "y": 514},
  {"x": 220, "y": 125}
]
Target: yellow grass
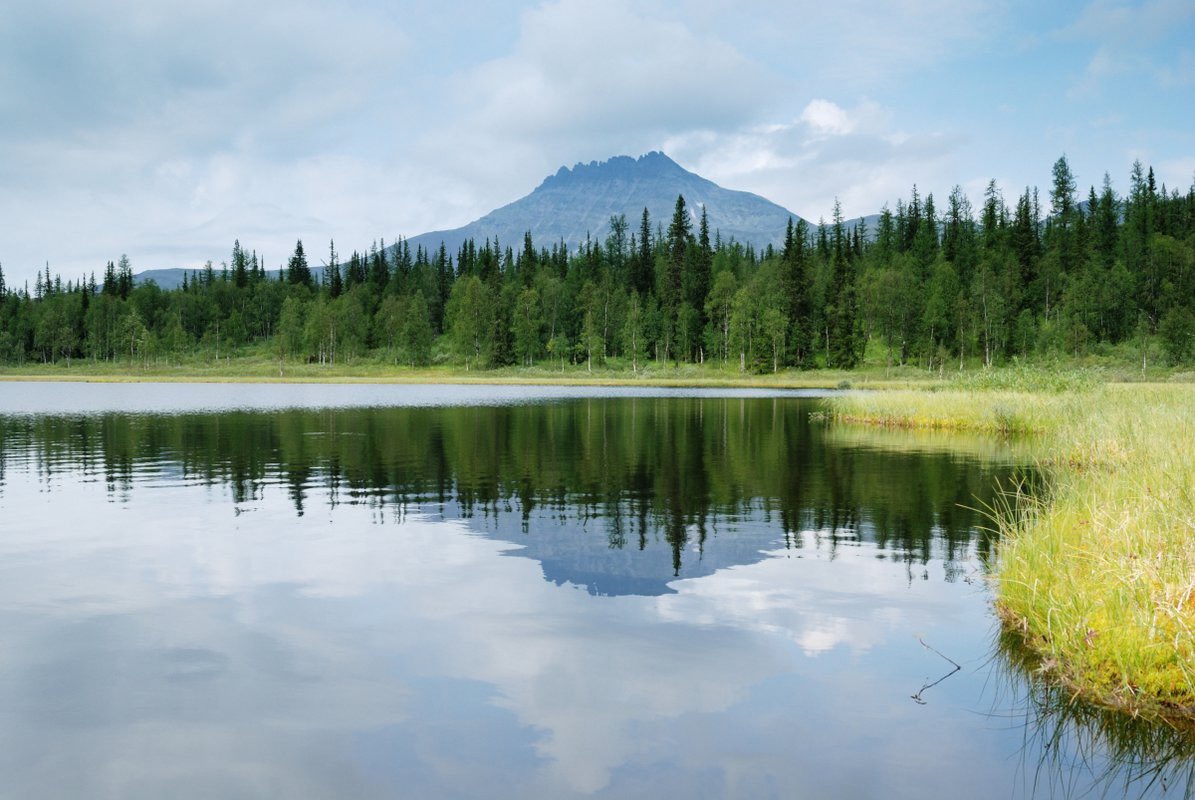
[{"x": 1098, "y": 575}]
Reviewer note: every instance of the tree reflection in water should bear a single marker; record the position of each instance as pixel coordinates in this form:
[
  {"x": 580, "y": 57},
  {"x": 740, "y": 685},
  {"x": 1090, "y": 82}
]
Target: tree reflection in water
[{"x": 638, "y": 473}]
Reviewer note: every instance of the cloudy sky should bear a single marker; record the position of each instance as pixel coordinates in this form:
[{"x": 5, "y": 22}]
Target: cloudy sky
[{"x": 166, "y": 129}]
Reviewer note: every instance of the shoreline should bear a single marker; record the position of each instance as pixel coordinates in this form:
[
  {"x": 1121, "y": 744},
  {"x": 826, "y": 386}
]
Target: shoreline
[
  {"x": 683, "y": 377},
  {"x": 1097, "y": 575}
]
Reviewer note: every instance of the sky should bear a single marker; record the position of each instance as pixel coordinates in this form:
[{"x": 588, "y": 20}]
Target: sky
[{"x": 165, "y": 129}]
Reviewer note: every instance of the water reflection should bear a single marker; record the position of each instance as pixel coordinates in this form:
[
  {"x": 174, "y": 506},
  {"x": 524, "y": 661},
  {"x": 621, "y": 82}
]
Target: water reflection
[
  {"x": 595, "y": 479},
  {"x": 1068, "y": 743},
  {"x": 599, "y": 598}
]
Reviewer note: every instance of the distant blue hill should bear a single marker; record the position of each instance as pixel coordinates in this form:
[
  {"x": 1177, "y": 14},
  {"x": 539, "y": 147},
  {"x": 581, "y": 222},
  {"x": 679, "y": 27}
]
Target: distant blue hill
[{"x": 173, "y": 278}]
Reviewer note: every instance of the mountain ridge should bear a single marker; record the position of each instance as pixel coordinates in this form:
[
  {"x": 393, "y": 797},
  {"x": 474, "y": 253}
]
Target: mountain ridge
[{"x": 575, "y": 204}]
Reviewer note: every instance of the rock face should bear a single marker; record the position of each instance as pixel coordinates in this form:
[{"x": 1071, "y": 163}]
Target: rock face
[{"x": 578, "y": 202}]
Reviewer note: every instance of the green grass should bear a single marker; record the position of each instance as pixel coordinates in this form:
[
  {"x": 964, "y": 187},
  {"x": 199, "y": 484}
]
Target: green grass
[
  {"x": 1096, "y": 575},
  {"x": 260, "y": 366}
]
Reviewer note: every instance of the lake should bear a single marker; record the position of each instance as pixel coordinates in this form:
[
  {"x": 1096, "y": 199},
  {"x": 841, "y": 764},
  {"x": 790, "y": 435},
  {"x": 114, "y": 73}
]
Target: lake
[{"x": 450, "y": 591}]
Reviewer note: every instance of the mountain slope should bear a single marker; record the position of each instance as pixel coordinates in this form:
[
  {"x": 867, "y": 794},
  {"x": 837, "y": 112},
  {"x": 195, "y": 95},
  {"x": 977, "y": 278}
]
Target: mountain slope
[
  {"x": 575, "y": 203},
  {"x": 578, "y": 202}
]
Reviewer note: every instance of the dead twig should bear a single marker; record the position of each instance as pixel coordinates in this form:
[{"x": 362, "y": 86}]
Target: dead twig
[{"x": 917, "y": 698}]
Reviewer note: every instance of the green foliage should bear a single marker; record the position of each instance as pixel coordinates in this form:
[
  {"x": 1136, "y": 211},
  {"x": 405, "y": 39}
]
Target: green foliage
[
  {"x": 1043, "y": 378},
  {"x": 470, "y": 319},
  {"x": 929, "y": 291},
  {"x": 417, "y": 332},
  {"x": 1177, "y": 330},
  {"x": 528, "y": 326}
]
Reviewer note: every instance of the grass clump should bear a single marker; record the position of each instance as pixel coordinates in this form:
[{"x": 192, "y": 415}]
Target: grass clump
[
  {"x": 1099, "y": 576},
  {"x": 993, "y": 411},
  {"x": 1096, "y": 575}
]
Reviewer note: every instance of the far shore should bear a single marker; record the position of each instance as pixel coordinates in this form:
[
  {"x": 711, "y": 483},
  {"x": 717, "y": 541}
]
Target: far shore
[
  {"x": 258, "y": 370},
  {"x": 684, "y": 376}
]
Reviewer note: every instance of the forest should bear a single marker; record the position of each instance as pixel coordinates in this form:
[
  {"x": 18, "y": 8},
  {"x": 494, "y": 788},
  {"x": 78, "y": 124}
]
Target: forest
[{"x": 931, "y": 285}]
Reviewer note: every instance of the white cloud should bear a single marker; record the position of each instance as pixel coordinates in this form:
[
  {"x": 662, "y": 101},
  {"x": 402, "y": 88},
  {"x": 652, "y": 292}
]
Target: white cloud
[
  {"x": 857, "y": 154},
  {"x": 824, "y": 117},
  {"x": 582, "y": 67},
  {"x": 153, "y": 128},
  {"x": 854, "y": 45}
]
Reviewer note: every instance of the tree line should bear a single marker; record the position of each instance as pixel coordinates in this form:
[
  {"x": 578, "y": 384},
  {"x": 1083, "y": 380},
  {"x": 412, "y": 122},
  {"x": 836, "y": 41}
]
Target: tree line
[{"x": 926, "y": 286}]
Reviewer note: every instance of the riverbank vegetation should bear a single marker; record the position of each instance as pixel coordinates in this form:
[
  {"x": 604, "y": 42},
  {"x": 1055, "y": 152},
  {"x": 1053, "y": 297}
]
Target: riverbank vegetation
[
  {"x": 930, "y": 285},
  {"x": 1097, "y": 573}
]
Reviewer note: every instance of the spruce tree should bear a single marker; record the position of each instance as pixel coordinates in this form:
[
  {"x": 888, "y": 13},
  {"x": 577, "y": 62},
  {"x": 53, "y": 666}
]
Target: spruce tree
[
  {"x": 332, "y": 272},
  {"x": 843, "y": 344},
  {"x": 643, "y": 265},
  {"x": 796, "y": 283},
  {"x": 678, "y": 242},
  {"x": 699, "y": 281},
  {"x": 240, "y": 272},
  {"x": 124, "y": 277},
  {"x": 297, "y": 271}
]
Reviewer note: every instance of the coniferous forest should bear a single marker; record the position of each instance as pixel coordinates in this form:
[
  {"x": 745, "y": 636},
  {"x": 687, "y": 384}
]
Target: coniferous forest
[{"x": 935, "y": 283}]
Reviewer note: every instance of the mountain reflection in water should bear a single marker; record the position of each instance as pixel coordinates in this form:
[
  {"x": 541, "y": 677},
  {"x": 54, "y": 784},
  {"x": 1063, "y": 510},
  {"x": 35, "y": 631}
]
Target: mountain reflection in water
[
  {"x": 618, "y": 495},
  {"x": 607, "y": 596}
]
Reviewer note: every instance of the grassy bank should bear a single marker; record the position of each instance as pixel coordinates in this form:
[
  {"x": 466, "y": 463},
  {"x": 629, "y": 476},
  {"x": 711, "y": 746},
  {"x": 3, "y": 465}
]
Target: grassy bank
[
  {"x": 1098, "y": 575},
  {"x": 251, "y": 368}
]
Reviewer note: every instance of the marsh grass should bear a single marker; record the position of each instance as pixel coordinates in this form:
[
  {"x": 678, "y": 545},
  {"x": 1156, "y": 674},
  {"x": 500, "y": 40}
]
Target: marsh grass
[
  {"x": 1084, "y": 745},
  {"x": 948, "y": 408},
  {"x": 1097, "y": 574}
]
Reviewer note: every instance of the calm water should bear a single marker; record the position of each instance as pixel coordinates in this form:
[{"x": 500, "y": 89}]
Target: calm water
[{"x": 355, "y": 591}]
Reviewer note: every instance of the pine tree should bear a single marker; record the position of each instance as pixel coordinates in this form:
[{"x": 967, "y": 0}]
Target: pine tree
[
  {"x": 678, "y": 242},
  {"x": 699, "y": 280},
  {"x": 994, "y": 217},
  {"x": 843, "y": 345},
  {"x": 240, "y": 272},
  {"x": 297, "y": 271},
  {"x": 332, "y": 272},
  {"x": 379, "y": 266},
  {"x": 643, "y": 264},
  {"x": 124, "y": 277},
  {"x": 796, "y": 283}
]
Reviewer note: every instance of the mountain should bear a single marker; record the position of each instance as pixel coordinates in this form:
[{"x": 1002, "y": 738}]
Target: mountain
[
  {"x": 165, "y": 278},
  {"x": 173, "y": 278},
  {"x": 578, "y": 202},
  {"x": 575, "y": 203}
]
